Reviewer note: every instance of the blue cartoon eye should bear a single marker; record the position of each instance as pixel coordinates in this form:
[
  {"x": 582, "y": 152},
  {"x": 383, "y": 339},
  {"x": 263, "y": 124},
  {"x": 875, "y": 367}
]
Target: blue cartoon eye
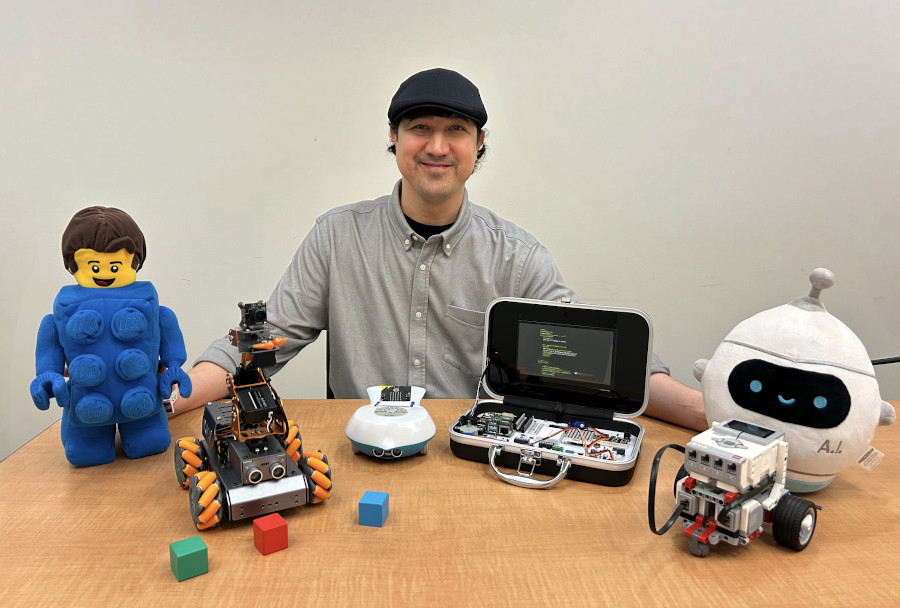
[
  {"x": 756, "y": 386},
  {"x": 820, "y": 402}
]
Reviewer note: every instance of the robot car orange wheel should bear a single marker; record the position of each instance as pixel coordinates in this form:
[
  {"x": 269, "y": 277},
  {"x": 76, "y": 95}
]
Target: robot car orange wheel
[
  {"x": 206, "y": 500},
  {"x": 292, "y": 442},
  {"x": 190, "y": 459},
  {"x": 315, "y": 467}
]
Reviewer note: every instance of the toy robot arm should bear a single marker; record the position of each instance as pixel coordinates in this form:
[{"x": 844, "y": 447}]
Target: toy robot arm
[
  {"x": 50, "y": 361},
  {"x": 172, "y": 354},
  {"x": 699, "y": 368},
  {"x": 888, "y": 415}
]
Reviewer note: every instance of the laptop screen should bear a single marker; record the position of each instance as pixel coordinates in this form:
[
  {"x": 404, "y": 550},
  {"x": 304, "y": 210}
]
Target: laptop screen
[
  {"x": 565, "y": 354},
  {"x": 568, "y": 353}
]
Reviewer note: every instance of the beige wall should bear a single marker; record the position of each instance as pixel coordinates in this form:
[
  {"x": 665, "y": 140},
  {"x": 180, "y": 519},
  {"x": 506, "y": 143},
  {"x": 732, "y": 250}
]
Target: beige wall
[{"x": 693, "y": 159}]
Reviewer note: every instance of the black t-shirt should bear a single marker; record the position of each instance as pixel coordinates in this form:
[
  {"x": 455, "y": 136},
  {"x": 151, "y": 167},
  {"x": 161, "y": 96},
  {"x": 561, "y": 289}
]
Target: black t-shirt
[{"x": 424, "y": 230}]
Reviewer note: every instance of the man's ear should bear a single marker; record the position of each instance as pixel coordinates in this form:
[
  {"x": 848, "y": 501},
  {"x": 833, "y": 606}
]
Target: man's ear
[
  {"x": 481, "y": 139},
  {"x": 393, "y": 135}
]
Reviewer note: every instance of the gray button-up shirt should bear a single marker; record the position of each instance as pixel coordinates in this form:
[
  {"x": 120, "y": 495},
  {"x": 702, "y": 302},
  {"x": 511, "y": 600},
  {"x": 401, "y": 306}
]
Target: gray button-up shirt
[{"x": 401, "y": 310}]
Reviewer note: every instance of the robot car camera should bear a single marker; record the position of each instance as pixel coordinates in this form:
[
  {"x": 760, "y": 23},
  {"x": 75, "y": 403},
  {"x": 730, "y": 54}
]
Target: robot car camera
[{"x": 252, "y": 314}]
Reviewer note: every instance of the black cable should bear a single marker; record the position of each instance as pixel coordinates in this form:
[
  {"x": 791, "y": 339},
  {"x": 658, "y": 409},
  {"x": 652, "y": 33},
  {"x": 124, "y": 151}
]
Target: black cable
[
  {"x": 651, "y": 501},
  {"x": 481, "y": 380},
  {"x": 724, "y": 511},
  {"x": 888, "y": 360}
]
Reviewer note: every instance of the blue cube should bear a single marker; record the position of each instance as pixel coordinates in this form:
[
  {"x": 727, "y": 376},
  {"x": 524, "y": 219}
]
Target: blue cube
[
  {"x": 373, "y": 509},
  {"x": 188, "y": 558}
]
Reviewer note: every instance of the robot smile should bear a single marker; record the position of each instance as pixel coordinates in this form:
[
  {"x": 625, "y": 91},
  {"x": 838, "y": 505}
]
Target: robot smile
[
  {"x": 103, "y": 282},
  {"x": 786, "y": 401}
]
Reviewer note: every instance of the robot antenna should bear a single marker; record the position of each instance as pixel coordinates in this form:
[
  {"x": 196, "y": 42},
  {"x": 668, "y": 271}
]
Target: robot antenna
[{"x": 820, "y": 278}]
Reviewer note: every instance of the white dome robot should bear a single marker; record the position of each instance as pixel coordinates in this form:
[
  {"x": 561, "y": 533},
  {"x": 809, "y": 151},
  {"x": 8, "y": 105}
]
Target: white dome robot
[{"x": 799, "y": 369}]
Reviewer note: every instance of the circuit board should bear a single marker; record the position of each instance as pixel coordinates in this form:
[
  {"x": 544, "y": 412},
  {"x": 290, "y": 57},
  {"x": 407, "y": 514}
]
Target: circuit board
[{"x": 572, "y": 437}]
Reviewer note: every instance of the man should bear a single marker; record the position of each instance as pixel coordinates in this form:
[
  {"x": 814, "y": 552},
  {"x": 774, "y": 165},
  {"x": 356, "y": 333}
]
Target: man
[{"x": 401, "y": 283}]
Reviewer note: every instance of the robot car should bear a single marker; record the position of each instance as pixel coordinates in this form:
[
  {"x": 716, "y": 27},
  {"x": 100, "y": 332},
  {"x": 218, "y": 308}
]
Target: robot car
[
  {"x": 393, "y": 425},
  {"x": 731, "y": 483},
  {"x": 250, "y": 461}
]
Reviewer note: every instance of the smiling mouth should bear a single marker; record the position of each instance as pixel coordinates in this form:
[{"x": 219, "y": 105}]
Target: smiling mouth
[
  {"x": 431, "y": 164},
  {"x": 786, "y": 401},
  {"x": 104, "y": 282}
]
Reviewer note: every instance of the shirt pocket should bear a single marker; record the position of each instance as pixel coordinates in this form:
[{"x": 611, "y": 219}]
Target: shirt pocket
[{"x": 465, "y": 340}]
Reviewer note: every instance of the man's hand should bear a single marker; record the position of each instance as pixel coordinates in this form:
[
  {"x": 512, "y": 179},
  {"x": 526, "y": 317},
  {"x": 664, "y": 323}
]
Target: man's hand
[{"x": 206, "y": 383}]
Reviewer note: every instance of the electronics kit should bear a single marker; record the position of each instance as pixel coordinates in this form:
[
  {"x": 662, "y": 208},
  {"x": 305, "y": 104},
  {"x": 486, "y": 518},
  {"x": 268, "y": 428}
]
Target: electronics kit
[
  {"x": 563, "y": 380},
  {"x": 573, "y": 437}
]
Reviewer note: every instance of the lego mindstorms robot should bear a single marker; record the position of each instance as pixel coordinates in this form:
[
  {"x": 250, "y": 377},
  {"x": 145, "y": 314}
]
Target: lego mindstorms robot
[{"x": 731, "y": 483}]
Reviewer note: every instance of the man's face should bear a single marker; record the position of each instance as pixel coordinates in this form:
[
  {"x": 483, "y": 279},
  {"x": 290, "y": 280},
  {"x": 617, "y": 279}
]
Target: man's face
[
  {"x": 436, "y": 155},
  {"x": 104, "y": 270}
]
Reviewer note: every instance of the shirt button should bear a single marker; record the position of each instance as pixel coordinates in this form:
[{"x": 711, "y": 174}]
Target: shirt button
[
  {"x": 447, "y": 247},
  {"x": 422, "y": 267},
  {"x": 418, "y": 315},
  {"x": 406, "y": 242},
  {"x": 417, "y": 363}
]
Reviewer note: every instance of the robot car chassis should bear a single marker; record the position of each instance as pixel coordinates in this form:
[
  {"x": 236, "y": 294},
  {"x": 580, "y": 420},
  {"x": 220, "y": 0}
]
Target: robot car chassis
[
  {"x": 250, "y": 461},
  {"x": 731, "y": 483}
]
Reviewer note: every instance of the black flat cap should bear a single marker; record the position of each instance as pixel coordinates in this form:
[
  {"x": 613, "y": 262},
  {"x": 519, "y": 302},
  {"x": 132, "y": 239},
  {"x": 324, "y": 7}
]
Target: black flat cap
[{"x": 438, "y": 88}]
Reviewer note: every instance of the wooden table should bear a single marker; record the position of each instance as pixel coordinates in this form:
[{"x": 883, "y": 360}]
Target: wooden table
[{"x": 455, "y": 536}]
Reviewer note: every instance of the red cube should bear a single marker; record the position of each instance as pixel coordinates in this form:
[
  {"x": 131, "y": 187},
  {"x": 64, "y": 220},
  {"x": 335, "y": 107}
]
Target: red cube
[{"x": 270, "y": 533}]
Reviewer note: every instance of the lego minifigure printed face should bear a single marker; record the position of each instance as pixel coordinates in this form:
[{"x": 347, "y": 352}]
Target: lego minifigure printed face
[{"x": 104, "y": 270}]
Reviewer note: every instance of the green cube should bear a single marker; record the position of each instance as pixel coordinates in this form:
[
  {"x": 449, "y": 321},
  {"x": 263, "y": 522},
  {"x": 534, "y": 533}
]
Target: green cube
[{"x": 188, "y": 558}]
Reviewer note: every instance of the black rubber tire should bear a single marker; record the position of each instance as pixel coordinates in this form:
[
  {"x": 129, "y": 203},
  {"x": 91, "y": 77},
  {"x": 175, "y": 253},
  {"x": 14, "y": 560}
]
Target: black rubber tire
[{"x": 794, "y": 522}]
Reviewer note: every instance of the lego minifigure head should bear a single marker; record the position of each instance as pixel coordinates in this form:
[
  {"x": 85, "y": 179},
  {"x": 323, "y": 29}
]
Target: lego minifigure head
[{"x": 103, "y": 247}]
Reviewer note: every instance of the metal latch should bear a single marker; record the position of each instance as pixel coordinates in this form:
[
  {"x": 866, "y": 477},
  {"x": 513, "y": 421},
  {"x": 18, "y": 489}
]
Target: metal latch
[{"x": 529, "y": 457}]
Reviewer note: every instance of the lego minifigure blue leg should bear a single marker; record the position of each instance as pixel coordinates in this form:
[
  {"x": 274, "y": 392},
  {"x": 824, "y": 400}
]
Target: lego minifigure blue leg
[
  {"x": 87, "y": 446},
  {"x": 146, "y": 436}
]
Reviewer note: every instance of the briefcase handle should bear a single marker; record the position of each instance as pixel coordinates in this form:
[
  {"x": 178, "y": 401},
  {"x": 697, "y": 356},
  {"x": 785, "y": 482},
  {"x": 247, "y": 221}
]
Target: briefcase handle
[{"x": 525, "y": 479}]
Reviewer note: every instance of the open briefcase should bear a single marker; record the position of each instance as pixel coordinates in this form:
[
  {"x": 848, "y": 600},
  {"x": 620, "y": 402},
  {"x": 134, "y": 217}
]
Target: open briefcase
[{"x": 563, "y": 381}]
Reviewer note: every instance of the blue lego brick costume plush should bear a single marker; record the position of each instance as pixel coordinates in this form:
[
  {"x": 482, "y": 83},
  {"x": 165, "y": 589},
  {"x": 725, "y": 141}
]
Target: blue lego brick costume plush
[{"x": 112, "y": 337}]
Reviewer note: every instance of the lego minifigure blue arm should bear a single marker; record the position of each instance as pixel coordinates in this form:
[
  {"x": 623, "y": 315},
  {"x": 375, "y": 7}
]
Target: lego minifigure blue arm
[
  {"x": 172, "y": 354},
  {"x": 50, "y": 362}
]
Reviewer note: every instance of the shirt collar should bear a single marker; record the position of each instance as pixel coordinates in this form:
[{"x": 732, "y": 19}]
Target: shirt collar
[{"x": 450, "y": 237}]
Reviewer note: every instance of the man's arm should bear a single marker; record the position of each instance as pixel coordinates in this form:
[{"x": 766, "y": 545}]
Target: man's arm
[
  {"x": 306, "y": 279},
  {"x": 676, "y": 403},
  {"x": 208, "y": 384}
]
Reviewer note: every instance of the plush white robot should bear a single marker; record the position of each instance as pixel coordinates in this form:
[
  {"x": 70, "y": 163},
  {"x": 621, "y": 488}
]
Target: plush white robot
[{"x": 799, "y": 369}]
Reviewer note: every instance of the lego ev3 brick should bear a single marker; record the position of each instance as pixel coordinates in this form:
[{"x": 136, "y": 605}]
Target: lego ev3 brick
[{"x": 734, "y": 456}]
